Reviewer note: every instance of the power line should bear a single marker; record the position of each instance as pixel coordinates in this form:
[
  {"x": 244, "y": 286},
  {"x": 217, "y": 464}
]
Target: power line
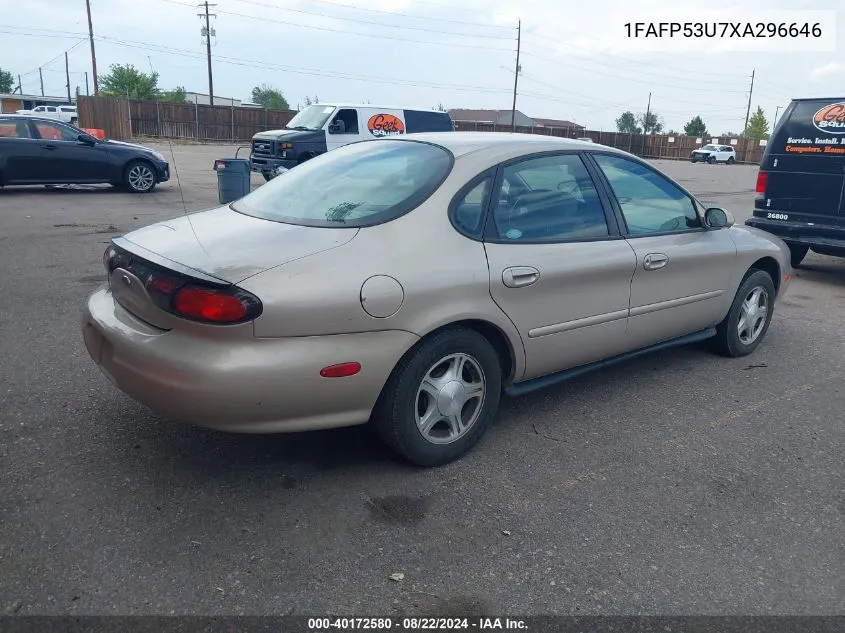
[
  {"x": 661, "y": 75},
  {"x": 382, "y": 24},
  {"x": 617, "y": 77},
  {"x": 261, "y": 64},
  {"x": 342, "y": 32},
  {"x": 619, "y": 57},
  {"x": 258, "y": 64},
  {"x": 426, "y": 2}
]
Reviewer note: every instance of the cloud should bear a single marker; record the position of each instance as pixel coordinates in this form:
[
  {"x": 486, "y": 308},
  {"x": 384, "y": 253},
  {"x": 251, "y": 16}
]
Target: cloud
[{"x": 831, "y": 68}]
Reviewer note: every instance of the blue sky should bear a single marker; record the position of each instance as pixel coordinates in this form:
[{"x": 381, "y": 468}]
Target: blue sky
[{"x": 575, "y": 62}]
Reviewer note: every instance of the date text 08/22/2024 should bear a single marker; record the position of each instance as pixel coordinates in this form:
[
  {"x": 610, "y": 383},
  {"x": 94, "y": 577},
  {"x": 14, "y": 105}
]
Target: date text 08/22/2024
[{"x": 415, "y": 624}]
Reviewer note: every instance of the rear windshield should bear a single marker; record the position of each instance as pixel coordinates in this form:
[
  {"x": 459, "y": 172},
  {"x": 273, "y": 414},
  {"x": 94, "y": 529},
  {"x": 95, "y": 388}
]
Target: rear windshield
[{"x": 361, "y": 184}]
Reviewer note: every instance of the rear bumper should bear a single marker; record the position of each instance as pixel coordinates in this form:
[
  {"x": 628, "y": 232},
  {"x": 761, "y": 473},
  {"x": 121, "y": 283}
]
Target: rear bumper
[
  {"x": 820, "y": 237},
  {"x": 237, "y": 382}
]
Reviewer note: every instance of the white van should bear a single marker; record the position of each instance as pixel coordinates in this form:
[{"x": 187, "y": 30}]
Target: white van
[{"x": 323, "y": 127}]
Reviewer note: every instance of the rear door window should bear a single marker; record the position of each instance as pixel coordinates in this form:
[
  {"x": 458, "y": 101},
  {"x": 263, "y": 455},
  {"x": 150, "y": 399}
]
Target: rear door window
[
  {"x": 53, "y": 132},
  {"x": 423, "y": 121},
  {"x": 548, "y": 199}
]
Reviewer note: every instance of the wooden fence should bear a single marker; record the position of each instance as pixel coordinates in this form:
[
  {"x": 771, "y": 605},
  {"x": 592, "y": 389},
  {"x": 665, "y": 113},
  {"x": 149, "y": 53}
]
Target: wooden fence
[
  {"x": 124, "y": 119},
  {"x": 677, "y": 147}
]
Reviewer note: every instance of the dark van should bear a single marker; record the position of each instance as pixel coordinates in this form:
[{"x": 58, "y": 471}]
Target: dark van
[
  {"x": 801, "y": 184},
  {"x": 326, "y": 126}
]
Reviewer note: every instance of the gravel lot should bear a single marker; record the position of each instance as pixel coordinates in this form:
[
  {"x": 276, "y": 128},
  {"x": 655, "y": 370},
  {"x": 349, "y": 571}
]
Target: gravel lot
[{"x": 681, "y": 483}]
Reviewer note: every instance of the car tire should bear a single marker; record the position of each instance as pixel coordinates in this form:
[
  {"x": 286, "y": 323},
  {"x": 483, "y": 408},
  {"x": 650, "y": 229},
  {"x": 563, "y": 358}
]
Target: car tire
[
  {"x": 731, "y": 160},
  {"x": 139, "y": 177},
  {"x": 74, "y": 121},
  {"x": 711, "y": 159},
  {"x": 735, "y": 338},
  {"x": 797, "y": 253},
  {"x": 437, "y": 375},
  {"x": 267, "y": 176}
]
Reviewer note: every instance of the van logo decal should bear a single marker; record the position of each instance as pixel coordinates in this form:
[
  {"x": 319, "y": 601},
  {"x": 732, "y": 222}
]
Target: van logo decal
[
  {"x": 831, "y": 119},
  {"x": 385, "y": 125}
]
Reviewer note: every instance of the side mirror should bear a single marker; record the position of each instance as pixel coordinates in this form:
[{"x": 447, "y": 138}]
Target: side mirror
[
  {"x": 87, "y": 139},
  {"x": 717, "y": 218}
]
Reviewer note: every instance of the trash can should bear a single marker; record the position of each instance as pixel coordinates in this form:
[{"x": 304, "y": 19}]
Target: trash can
[{"x": 232, "y": 178}]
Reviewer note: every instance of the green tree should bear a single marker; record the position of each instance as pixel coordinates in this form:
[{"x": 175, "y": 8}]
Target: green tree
[
  {"x": 652, "y": 122},
  {"x": 758, "y": 125},
  {"x": 127, "y": 81},
  {"x": 177, "y": 95},
  {"x": 7, "y": 82},
  {"x": 627, "y": 123},
  {"x": 695, "y": 127},
  {"x": 269, "y": 97}
]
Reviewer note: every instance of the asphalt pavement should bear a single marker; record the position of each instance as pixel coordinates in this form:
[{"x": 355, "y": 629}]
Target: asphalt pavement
[{"x": 680, "y": 483}]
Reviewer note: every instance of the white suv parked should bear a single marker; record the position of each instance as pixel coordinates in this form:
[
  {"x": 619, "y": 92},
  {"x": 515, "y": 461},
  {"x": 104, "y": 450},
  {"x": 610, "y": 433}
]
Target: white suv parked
[
  {"x": 66, "y": 113},
  {"x": 714, "y": 154}
]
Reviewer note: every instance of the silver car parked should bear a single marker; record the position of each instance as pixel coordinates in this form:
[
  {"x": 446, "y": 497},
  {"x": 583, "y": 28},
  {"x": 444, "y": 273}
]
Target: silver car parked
[{"x": 410, "y": 281}]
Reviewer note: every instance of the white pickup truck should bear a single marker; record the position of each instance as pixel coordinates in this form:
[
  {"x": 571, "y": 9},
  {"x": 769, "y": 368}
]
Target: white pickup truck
[{"x": 66, "y": 113}]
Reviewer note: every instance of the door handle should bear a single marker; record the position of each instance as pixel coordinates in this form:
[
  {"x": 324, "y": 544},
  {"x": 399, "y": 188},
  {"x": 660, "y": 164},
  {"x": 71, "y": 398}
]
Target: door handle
[
  {"x": 655, "y": 261},
  {"x": 51, "y": 146},
  {"x": 520, "y": 276}
]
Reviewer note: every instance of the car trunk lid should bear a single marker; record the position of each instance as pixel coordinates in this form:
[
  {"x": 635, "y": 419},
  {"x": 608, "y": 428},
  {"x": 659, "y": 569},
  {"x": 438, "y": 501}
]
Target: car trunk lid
[
  {"x": 231, "y": 246},
  {"x": 214, "y": 250}
]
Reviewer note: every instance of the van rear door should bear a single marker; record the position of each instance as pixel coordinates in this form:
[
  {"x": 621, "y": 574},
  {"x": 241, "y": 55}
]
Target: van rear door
[{"x": 804, "y": 165}]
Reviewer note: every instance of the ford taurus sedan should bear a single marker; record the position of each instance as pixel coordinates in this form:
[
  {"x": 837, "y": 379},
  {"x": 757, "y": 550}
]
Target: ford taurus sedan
[
  {"x": 38, "y": 151},
  {"x": 409, "y": 282}
]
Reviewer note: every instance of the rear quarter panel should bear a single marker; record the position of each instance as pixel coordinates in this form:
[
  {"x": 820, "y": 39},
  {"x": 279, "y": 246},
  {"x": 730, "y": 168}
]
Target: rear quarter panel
[{"x": 443, "y": 275}]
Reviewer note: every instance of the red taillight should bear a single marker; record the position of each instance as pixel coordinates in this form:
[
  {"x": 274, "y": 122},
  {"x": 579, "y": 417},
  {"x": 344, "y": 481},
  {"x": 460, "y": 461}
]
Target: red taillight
[
  {"x": 214, "y": 306},
  {"x": 762, "y": 180},
  {"x": 341, "y": 370}
]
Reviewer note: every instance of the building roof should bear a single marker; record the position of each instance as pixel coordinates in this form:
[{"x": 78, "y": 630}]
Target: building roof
[
  {"x": 492, "y": 116},
  {"x": 477, "y": 116},
  {"x": 20, "y": 97},
  {"x": 557, "y": 123}
]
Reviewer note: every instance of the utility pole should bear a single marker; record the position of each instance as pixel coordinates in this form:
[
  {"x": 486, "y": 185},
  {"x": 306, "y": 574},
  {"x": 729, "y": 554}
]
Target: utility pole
[
  {"x": 87, "y": 92},
  {"x": 67, "y": 77},
  {"x": 777, "y": 109},
  {"x": 20, "y": 85},
  {"x": 516, "y": 74},
  {"x": 207, "y": 31},
  {"x": 93, "y": 52},
  {"x": 645, "y": 122},
  {"x": 748, "y": 109},
  {"x": 41, "y": 78}
]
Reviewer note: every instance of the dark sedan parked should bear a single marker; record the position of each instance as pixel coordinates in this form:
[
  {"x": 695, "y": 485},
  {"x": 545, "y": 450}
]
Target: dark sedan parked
[{"x": 36, "y": 151}]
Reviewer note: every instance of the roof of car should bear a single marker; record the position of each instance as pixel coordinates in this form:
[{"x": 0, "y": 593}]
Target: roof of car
[
  {"x": 27, "y": 117},
  {"x": 464, "y": 142}
]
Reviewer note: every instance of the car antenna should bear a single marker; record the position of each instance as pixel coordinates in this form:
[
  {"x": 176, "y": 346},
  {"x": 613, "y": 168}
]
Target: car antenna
[{"x": 182, "y": 196}]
